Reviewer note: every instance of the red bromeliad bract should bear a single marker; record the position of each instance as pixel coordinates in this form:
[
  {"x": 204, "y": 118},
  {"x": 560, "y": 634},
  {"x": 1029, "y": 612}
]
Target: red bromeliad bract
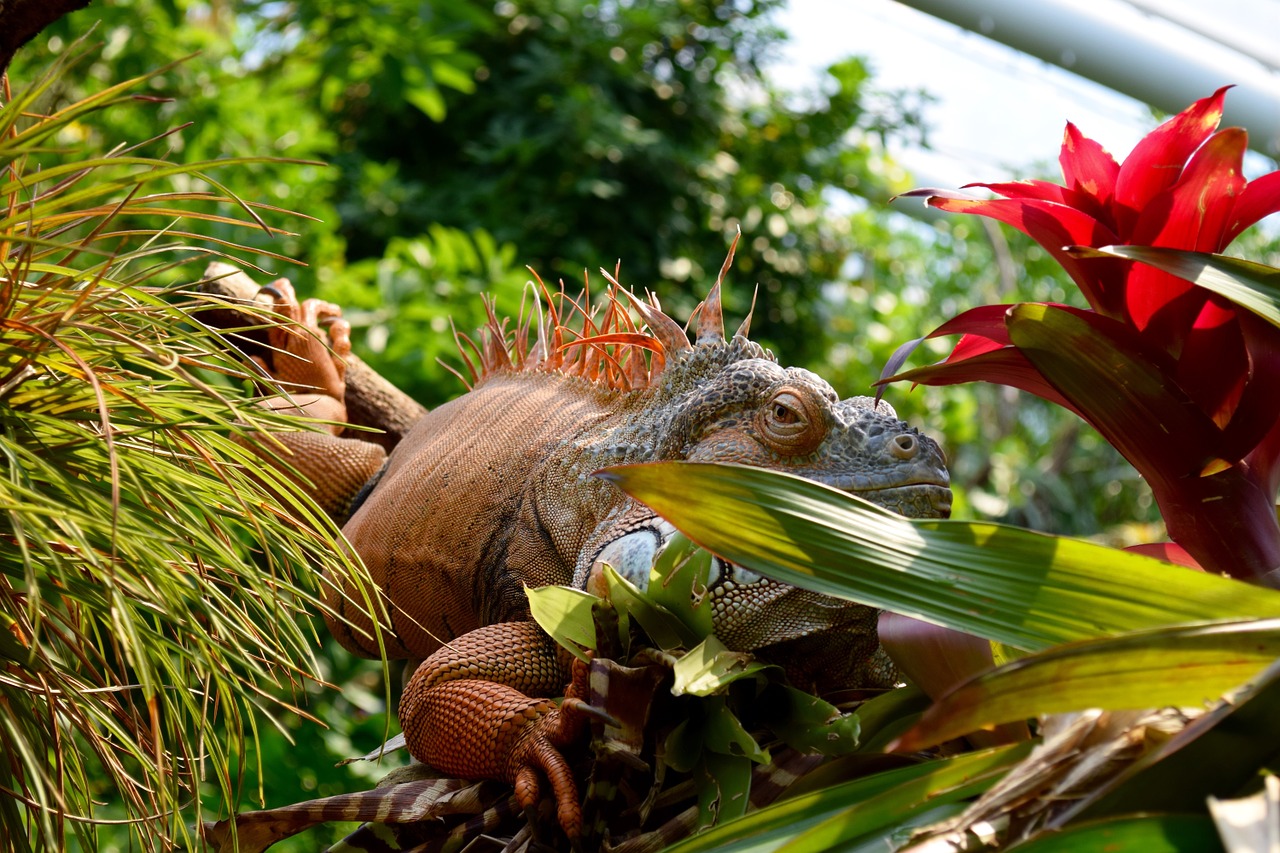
[{"x": 1185, "y": 383}]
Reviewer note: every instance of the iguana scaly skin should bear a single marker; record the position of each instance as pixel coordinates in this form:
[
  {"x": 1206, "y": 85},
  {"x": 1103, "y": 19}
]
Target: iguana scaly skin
[{"x": 494, "y": 491}]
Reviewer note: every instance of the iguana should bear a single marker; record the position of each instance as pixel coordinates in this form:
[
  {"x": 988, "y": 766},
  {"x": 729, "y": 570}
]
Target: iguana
[{"x": 494, "y": 491}]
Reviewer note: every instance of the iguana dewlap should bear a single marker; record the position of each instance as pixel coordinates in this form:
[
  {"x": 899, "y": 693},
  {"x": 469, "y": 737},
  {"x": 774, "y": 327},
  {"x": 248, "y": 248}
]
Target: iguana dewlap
[{"x": 494, "y": 491}]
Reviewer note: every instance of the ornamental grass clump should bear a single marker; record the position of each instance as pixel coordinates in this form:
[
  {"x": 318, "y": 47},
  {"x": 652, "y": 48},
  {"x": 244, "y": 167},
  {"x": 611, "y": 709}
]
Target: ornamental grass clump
[{"x": 153, "y": 585}]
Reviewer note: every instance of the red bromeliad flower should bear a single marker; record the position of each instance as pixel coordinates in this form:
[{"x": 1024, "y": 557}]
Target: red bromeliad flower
[{"x": 1184, "y": 382}]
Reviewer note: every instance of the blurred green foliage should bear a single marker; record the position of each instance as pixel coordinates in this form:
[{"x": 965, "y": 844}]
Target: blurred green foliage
[
  {"x": 452, "y": 142},
  {"x": 582, "y": 134}
]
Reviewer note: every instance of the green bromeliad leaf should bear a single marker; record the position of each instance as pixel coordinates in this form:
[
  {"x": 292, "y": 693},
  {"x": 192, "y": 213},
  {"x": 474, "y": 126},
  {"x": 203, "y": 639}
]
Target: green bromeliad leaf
[
  {"x": 678, "y": 582},
  {"x": 565, "y": 614},
  {"x": 723, "y": 733},
  {"x": 1026, "y": 589},
  {"x": 874, "y": 804},
  {"x": 1252, "y": 285},
  {"x": 708, "y": 668},
  {"x": 809, "y": 724},
  {"x": 667, "y": 631},
  {"x": 1182, "y": 666},
  {"x": 711, "y": 727},
  {"x": 724, "y": 791}
]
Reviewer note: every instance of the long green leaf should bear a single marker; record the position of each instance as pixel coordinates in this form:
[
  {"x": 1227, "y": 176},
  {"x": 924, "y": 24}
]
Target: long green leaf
[
  {"x": 882, "y": 815},
  {"x": 1168, "y": 666},
  {"x": 1026, "y": 589},
  {"x": 861, "y": 806},
  {"x": 1252, "y": 285},
  {"x": 1145, "y": 834}
]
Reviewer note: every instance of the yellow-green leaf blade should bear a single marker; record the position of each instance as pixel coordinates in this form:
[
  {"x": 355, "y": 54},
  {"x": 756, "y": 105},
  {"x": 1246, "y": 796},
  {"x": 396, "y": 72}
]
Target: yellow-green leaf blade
[
  {"x": 1026, "y": 589},
  {"x": 709, "y": 667},
  {"x": 565, "y": 614},
  {"x": 1183, "y": 666}
]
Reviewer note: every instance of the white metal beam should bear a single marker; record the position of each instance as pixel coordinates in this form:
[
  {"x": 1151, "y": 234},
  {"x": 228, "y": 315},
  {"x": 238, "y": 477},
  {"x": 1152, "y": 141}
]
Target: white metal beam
[
  {"x": 1146, "y": 57},
  {"x": 1258, "y": 43}
]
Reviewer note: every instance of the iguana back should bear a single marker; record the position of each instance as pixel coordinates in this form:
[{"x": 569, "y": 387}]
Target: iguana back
[{"x": 456, "y": 526}]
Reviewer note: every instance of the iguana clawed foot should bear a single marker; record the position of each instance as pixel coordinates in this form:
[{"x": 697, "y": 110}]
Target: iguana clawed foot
[
  {"x": 468, "y": 712},
  {"x": 305, "y": 354},
  {"x": 539, "y": 750}
]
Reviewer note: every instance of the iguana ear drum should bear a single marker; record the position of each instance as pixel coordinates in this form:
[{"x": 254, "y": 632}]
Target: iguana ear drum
[{"x": 631, "y": 555}]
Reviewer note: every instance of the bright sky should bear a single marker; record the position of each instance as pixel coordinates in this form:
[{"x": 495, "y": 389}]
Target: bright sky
[{"x": 998, "y": 111}]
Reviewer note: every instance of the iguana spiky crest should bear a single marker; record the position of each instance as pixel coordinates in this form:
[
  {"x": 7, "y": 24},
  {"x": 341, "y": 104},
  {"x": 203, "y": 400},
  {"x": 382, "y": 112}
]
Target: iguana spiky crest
[{"x": 609, "y": 349}]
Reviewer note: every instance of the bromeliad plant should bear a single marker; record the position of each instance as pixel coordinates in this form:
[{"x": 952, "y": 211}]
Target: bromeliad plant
[{"x": 1180, "y": 379}]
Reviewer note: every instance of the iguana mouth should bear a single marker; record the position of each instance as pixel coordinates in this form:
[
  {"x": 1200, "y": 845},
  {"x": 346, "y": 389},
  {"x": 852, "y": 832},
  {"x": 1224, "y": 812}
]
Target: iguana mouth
[{"x": 929, "y": 499}]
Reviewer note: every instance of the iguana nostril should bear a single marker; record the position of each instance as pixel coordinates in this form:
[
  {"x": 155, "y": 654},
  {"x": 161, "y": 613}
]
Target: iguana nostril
[{"x": 904, "y": 446}]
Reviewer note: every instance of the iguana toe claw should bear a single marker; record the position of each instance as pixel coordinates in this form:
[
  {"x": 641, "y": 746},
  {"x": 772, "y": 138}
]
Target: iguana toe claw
[
  {"x": 540, "y": 748},
  {"x": 545, "y": 757},
  {"x": 586, "y": 709},
  {"x": 282, "y": 294}
]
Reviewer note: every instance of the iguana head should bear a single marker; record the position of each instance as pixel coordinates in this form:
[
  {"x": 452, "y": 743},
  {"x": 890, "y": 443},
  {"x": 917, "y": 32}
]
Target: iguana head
[
  {"x": 714, "y": 398},
  {"x": 728, "y": 400},
  {"x": 753, "y": 411}
]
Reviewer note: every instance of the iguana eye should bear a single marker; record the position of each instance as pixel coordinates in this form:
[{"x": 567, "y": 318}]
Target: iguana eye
[{"x": 791, "y": 423}]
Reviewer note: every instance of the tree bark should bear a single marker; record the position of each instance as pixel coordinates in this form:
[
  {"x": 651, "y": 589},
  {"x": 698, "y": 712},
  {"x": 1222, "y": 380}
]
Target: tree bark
[{"x": 22, "y": 20}]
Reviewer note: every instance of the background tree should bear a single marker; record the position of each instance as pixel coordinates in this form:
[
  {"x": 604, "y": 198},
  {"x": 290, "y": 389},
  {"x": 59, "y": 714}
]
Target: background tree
[{"x": 580, "y": 134}]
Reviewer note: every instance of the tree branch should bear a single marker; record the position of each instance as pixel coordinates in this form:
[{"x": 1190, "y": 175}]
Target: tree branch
[{"x": 22, "y": 20}]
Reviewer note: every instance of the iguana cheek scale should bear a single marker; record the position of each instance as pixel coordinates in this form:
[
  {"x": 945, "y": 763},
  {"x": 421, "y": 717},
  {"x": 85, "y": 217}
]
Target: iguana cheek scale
[{"x": 494, "y": 491}]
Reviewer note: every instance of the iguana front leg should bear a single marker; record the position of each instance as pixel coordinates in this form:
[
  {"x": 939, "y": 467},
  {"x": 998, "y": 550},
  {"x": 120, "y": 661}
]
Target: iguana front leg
[
  {"x": 305, "y": 354},
  {"x": 473, "y": 709}
]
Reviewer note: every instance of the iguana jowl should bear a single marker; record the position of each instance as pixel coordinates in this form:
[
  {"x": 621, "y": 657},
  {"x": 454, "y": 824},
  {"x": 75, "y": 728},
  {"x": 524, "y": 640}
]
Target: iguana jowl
[{"x": 494, "y": 491}]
